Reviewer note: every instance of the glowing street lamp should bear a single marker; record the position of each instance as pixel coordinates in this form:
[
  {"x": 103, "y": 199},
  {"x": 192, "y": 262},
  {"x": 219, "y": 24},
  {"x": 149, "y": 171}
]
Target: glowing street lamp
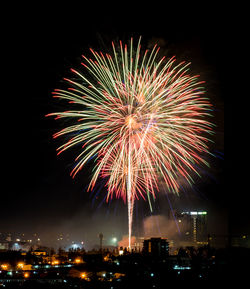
[
  {"x": 55, "y": 262},
  {"x": 4, "y": 266},
  {"x": 114, "y": 240},
  {"x": 20, "y": 265}
]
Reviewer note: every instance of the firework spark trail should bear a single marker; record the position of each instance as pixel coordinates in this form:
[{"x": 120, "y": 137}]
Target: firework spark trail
[{"x": 140, "y": 118}]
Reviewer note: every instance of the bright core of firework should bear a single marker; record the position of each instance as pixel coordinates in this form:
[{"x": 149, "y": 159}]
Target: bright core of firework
[{"x": 141, "y": 118}]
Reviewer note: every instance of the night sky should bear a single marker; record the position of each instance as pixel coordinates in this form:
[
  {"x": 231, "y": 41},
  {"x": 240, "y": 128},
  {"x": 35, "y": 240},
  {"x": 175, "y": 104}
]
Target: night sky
[{"x": 37, "y": 194}]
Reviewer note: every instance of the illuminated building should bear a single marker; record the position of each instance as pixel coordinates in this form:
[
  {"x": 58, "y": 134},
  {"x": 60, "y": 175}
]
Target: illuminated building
[
  {"x": 39, "y": 253},
  {"x": 138, "y": 244},
  {"x": 4, "y": 245},
  {"x": 156, "y": 247},
  {"x": 193, "y": 226}
]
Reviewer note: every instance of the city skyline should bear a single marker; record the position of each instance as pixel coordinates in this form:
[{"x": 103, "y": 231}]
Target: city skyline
[{"x": 173, "y": 227}]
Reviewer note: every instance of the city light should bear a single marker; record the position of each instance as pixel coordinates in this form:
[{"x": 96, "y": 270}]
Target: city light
[
  {"x": 26, "y": 275},
  {"x": 194, "y": 213},
  {"x": 76, "y": 246},
  {"x": 77, "y": 260},
  {"x": 4, "y": 266},
  {"x": 176, "y": 267},
  {"x": 114, "y": 240},
  {"x": 20, "y": 265},
  {"x": 16, "y": 246},
  {"x": 84, "y": 276}
]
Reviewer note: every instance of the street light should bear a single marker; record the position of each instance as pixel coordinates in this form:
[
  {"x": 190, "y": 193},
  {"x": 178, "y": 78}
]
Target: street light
[
  {"x": 4, "y": 266},
  {"x": 20, "y": 265}
]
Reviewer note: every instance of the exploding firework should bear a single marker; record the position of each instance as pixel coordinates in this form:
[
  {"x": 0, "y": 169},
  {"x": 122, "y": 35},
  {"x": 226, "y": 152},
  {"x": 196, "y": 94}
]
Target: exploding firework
[{"x": 142, "y": 119}]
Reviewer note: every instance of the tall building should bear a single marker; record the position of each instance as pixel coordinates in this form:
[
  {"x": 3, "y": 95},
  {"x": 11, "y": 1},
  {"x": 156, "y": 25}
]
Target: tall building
[
  {"x": 156, "y": 247},
  {"x": 193, "y": 227},
  {"x": 138, "y": 244}
]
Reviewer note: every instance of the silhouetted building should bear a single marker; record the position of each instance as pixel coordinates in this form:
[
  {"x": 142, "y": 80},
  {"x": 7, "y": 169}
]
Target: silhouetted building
[{"x": 156, "y": 247}]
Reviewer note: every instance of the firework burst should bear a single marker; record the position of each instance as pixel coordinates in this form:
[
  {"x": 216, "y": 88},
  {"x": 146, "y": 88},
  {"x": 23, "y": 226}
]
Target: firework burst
[{"x": 140, "y": 117}]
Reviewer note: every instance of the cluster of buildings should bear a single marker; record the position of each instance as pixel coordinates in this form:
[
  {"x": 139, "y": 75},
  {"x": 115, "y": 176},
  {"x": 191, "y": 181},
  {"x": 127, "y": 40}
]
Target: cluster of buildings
[
  {"x": 192, "y": 226},
  {"x": 26, "y": 242},
  {"x": 152, "y": 265},
  {"x": 149, "y": 259},
  {"x": 17, "y": 241},
  {"x": 101, "y": 265},
  {"x": 191, "y": 230}
]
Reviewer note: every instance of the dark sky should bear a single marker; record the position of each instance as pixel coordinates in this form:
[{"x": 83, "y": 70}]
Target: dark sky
[{"x": 38, "y": 51}]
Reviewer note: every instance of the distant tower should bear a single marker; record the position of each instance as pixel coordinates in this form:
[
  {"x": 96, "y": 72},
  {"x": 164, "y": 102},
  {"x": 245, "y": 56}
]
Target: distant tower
[
  {"x": 101, "y": 237},
  {"x": 194, "y": 226}
]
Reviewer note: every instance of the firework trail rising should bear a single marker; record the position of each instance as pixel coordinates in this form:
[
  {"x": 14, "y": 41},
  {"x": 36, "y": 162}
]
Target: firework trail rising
[{"x": 140, "y": 117}]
